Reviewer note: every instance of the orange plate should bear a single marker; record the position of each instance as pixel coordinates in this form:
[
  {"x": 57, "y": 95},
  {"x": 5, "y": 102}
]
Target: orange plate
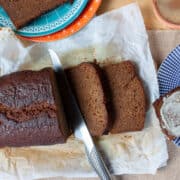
[{"x": 78, "y": 24}]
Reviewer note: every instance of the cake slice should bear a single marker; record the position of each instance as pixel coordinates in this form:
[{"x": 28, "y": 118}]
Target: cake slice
[
  {"x": 30, "y": 109},
  {"x": 167, "y": 108},
  {"x": 86, "y": 83},
  {"x": 22, "y": 12},
  {"x": 127, "y": 97}
]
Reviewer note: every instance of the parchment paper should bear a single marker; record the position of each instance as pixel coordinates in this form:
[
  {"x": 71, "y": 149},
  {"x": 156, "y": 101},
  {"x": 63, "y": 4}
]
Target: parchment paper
[{"x": 117, "y": 36}]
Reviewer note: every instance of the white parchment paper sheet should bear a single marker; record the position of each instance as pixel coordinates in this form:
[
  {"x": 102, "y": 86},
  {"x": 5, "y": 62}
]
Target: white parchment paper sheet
[{"x": 117, "y": 35}]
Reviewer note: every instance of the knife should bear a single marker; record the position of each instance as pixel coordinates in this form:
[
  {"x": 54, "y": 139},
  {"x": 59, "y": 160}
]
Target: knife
[{"x": 78, "y": 124}]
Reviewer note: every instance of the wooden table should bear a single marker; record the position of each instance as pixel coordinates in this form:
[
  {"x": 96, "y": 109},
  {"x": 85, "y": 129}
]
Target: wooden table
[{"x": 150, "y": 19}]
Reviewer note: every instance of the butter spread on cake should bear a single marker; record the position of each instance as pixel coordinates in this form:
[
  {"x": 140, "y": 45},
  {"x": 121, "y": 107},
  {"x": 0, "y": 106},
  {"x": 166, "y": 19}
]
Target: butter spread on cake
[{"x": 168, "y": 111}]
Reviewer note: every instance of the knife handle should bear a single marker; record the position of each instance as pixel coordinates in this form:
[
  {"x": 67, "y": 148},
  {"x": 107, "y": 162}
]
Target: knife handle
[{"x": 98, "y": 164}]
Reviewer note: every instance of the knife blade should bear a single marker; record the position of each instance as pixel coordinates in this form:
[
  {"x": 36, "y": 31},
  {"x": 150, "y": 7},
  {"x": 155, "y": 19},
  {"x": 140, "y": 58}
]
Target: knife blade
[{"x": 77, "y": 121}]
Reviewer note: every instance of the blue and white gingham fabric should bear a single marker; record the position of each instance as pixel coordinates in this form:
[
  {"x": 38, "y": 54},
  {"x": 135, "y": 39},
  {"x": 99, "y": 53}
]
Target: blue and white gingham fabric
[{"x": 169, "y": 76}]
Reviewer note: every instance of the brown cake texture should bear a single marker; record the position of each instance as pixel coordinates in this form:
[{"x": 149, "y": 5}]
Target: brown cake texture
[
  {"x": 158, "y": 105},
  {"x": 127, "y": 97},
  {"x": 86, "y": 83},
  {"x": 30, "y": 109},
  {"x": 22, "y": 12}
]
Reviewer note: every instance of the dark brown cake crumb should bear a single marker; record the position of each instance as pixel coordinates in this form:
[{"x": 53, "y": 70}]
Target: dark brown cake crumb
[
  {"x": 88, "y": 89},
  {"x": 128, "y": 97},
  {"x": 28, "y": 112}
]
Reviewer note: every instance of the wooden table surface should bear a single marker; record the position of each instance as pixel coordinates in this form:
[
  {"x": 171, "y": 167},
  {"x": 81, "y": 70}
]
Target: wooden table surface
[
  {"x": 150, "y": 19},
  {"x": 165, "y": 46}
]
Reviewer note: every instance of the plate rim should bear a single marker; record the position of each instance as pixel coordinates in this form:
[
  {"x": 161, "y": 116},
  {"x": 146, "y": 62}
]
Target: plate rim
[{"x": 74, "y": 27}]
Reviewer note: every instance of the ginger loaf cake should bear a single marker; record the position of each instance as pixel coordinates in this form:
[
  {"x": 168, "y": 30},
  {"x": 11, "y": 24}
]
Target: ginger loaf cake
[
  {"x": 30, "y": 109},
  {"x": 86, "y": 83},
  {"x": 167, "y": 109},
  {"x": 127, "y": 97},
  {"x": 22, "y": 12}
]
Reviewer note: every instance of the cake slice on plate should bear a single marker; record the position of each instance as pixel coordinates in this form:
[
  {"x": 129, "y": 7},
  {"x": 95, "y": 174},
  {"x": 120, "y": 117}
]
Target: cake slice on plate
[
  {"x": 167, "y": 108},
  {"x": 22, "y": 12}
]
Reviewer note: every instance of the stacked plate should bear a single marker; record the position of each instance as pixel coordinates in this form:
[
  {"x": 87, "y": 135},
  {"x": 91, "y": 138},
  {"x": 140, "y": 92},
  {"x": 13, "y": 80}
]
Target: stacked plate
[
  {"x": 56, "y": 24},
  {"x": 169, "y": 76}
]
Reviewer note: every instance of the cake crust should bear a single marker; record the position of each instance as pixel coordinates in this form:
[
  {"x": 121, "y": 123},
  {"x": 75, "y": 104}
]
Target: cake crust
[{"x": 127, "y": 97}]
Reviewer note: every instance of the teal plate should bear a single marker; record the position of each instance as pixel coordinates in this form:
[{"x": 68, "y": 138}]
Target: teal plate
[{"x": 48, "y": 23}]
